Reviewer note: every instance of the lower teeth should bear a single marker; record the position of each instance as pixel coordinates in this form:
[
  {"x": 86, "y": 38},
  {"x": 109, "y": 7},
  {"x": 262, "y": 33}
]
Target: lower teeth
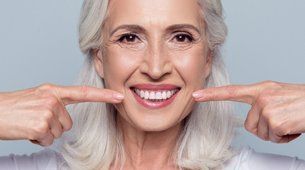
[{"x": 156, "y": 100}]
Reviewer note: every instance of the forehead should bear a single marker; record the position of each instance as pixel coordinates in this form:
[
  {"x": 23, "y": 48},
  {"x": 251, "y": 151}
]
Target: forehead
[{"x": 154, "y": 12}]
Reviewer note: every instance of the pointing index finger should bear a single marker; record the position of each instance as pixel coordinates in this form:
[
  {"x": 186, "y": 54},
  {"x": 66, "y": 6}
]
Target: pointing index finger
[
  {"x": 238, "y": 93},
  {"x": 78, "y": 94}
]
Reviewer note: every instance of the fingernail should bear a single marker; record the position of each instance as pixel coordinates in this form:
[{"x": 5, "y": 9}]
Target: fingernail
[
  {"x": 197, "y": 94},
  {"x": 118, "y": 96}
]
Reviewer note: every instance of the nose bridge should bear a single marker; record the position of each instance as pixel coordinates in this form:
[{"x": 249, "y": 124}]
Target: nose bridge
[
  {"x": 157, "y": 60},
  {"x": 156, "y": 57}
]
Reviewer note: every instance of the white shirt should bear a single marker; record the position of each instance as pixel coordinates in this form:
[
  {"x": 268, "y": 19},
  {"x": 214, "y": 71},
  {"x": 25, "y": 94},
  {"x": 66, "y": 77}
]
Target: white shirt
[{"x": 247, "y": 159}]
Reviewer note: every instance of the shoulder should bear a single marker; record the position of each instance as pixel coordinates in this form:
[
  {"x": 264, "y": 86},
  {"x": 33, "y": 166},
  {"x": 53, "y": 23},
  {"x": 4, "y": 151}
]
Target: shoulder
[
  {"x": 46, "y": 159},
  {"x": 248, "y": 159}
]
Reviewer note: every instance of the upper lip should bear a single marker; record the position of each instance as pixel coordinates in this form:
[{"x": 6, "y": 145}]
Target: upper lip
[{"x": 155, "y": 86}]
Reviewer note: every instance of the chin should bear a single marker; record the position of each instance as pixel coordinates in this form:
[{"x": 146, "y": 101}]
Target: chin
[
  {"x": 154, "y": 126},
  {"x": 149, "y": 121}
]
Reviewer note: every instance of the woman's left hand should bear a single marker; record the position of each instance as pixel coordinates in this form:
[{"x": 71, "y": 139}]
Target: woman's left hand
[{"x": 278, "y": 109}]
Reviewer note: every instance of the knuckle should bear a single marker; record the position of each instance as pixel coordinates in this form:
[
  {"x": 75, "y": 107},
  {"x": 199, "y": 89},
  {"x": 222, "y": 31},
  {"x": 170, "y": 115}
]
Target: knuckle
[
  {"x": 39, "y": 131},
  {"x": 262, "y": 100},
  {"x": 44, "y": 89},
  {"x": 279, "y": 124},
  {"x": 47, "y": 116},
  {"x": 266, "y": 113},
  {"x": 33, "y": 135},
  {"x": 279, "y": 129},
  {"x": 57, "y": 135},
  {"x": 51, "y": 102},
  {"x": 267, "y": 82},
  {"x": 42, "y": 128},
  {"x": 46, "y": 86},
  {"x": 271, "y": 84},
  {"x": 273, "y": 123}
]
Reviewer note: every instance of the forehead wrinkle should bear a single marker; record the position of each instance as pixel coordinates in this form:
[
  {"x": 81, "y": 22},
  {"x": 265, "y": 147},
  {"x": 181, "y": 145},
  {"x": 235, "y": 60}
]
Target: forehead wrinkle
[
  {"x": 170, "y": 28},
  {"x": 153, "y": 14}
]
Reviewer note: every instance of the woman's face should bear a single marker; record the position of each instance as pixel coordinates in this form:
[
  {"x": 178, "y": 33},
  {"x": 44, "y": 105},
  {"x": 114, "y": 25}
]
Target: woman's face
[{"x": 157, "y": 48}]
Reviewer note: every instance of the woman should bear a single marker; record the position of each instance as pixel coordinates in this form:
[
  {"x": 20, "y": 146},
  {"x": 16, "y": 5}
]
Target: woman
[{"x": 156, "y": 54}]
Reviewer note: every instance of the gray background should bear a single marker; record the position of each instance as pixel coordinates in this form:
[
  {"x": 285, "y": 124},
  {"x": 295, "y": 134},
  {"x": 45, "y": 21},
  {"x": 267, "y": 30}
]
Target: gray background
[{"x": 38, "y": 44}]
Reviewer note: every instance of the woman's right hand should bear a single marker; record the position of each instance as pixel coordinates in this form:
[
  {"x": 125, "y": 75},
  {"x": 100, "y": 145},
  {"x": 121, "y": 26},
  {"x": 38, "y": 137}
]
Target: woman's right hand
[{"x": 39, "y": 114}]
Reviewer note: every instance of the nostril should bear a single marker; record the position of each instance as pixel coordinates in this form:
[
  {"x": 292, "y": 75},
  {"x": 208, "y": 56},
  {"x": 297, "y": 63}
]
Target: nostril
[{"x": 156, "y": 70}]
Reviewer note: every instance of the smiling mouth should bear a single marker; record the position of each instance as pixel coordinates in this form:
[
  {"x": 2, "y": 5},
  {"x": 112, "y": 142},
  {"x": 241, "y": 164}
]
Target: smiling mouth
[{"x": 154, "y": 97}]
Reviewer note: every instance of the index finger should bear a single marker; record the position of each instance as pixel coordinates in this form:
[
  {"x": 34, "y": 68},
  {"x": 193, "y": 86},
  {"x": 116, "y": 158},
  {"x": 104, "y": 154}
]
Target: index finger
[
  {"x": 238, "y": 93},
  {"x": 78, "y": 94}
]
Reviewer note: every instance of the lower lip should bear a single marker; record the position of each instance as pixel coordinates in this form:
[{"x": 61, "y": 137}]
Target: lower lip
[{"x": 154, "y": 105}]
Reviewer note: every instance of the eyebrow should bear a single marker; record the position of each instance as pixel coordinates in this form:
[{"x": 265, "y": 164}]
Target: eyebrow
[
  {"x": 182, "y": 26},
  {"x": 134, "y": 28},
  {"x": 138, "y": 28}
]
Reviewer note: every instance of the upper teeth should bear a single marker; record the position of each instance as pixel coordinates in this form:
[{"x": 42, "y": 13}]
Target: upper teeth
[{"x": 161, "y": 94}]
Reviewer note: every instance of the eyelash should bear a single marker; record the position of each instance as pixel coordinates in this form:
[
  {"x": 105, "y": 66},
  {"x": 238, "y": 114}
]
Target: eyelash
[
  {"x": 128, "y": 35},
  {"x": 188, "y": 36},
  {"x": 134, "y": 37}
]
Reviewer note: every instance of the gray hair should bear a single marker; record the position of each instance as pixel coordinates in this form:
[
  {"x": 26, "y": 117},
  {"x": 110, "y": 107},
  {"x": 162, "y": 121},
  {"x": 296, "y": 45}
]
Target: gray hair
[{"x": 205, "y": 142}]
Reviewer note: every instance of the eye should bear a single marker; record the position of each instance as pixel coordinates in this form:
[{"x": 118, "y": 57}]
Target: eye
[
  {"x": 130, "y": 41},
  {"x": 129, "y": 38},
  {"x": 183, "y": 38}
]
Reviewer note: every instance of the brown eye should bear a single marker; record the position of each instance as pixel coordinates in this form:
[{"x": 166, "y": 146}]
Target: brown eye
[
  {"x": 129, "y": 38},
  {"x": 183, "y": 38},
  {"x": 130, "y": 41}
]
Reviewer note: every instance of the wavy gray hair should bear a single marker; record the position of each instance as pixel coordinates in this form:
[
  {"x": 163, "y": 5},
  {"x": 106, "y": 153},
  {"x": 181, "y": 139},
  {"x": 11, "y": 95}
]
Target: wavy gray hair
[{"x": 95, "y": 143}]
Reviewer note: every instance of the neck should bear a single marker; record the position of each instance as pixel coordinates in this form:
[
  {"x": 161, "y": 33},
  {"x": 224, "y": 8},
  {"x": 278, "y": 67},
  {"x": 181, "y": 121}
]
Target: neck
[{"x": 148, "y": 149}]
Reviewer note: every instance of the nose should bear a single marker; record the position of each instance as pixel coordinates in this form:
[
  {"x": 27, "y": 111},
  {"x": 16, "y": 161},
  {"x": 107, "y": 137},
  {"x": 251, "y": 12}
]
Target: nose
[{"x": 156, "y": 63}]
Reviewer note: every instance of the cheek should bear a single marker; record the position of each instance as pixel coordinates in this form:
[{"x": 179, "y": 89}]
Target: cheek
[
  {"x": 191, "y": 65},
  {"x": 118, "y": 66}
]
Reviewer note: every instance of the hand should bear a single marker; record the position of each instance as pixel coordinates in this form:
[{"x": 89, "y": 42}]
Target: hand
[
  {"x": 278, "y": 109},
  {"x": 39, "y": 113}
]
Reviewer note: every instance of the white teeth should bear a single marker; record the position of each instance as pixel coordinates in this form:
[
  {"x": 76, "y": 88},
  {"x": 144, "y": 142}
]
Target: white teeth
[
  {"x": 158, "y": 95},
  {"x": 152, "y": 95},
  {"x": 146, "y": 95},
  {"x": 164, "y": 95},
  {"x": 142, "y": 93},
  {"x": 168, "y": 94},
  {"x": 155, "y": 95}
]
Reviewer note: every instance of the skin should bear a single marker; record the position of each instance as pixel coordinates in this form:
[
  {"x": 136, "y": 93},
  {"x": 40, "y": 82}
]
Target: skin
[
  {"x": 151, "y": 56},
  {"x": 154, "y": 54},
  {"x": 277, "y": 111},
  {"x": 38, "y": 114}
]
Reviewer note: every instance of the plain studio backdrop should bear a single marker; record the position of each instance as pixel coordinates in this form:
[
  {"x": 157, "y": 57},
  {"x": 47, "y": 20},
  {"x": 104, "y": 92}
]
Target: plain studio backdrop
[{"x": 38, "y": 44}]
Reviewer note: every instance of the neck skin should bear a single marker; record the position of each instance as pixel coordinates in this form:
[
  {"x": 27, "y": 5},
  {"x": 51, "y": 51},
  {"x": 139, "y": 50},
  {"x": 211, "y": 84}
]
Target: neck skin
[{"x": 149, "y": 150}]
